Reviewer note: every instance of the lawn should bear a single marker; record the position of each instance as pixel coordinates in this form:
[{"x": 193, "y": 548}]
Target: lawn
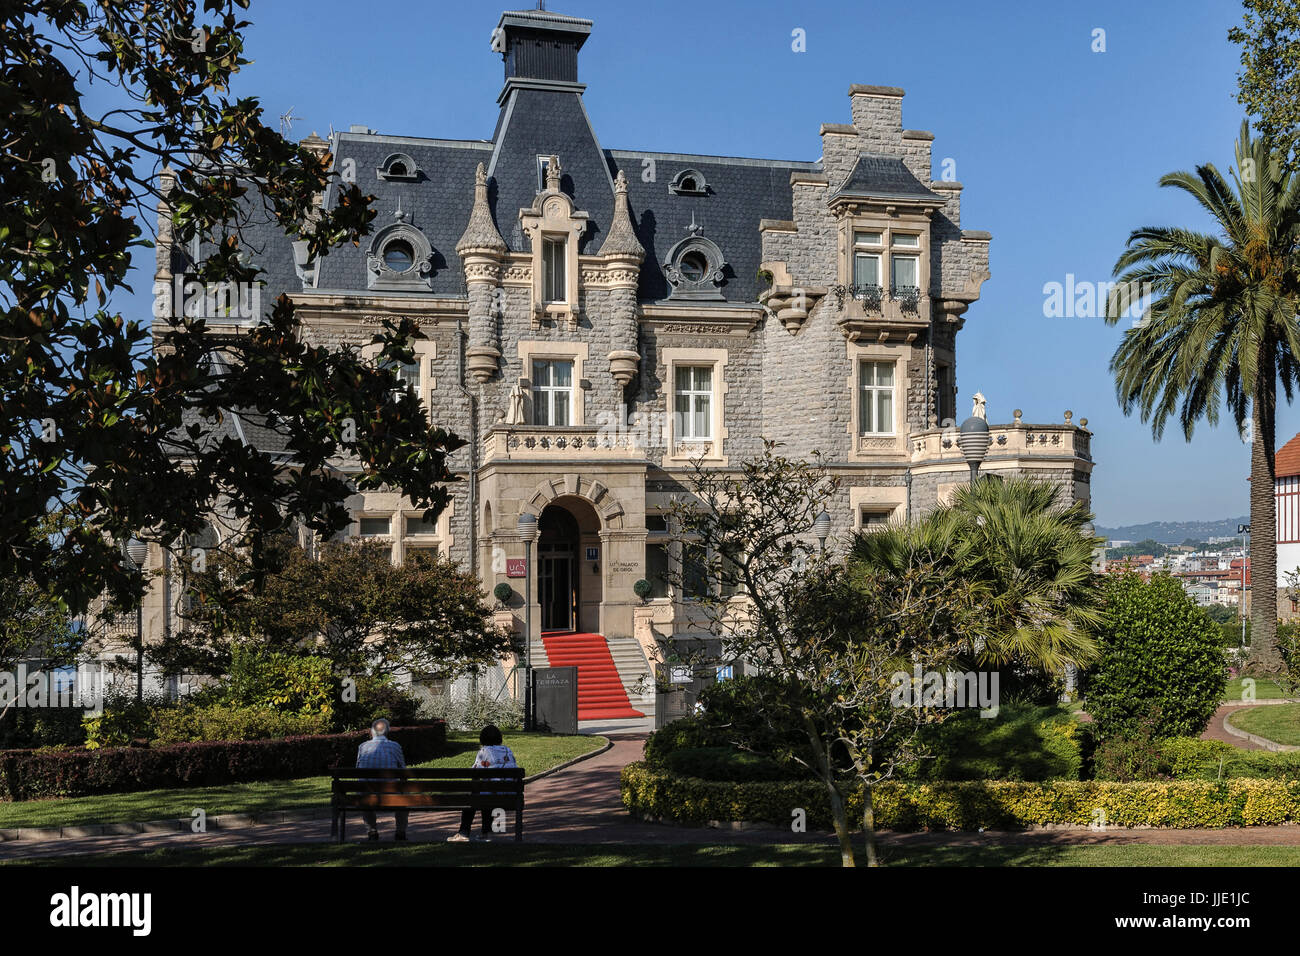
[
  {"x": 1264, "y": 690},
  {"x": 534, "y": 752},
  {"x": 1276, "y": 722},
  {"x": 668, "y": 855}
]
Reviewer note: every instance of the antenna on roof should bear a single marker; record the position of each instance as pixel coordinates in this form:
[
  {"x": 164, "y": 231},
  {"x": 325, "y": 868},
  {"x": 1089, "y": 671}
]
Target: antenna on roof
[{"x": 286, "y": 122}]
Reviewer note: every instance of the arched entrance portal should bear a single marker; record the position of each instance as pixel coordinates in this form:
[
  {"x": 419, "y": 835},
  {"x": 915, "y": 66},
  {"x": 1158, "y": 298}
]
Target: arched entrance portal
[{"x": 568, "y": 584}]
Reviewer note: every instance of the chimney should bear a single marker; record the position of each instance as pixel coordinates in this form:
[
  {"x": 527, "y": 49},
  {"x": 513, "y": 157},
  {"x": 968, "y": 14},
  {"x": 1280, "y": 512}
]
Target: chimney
[{"x": 540, "y": 46}]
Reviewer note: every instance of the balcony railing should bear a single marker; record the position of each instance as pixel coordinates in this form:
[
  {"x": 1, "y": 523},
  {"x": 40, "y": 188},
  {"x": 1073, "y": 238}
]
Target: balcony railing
[
  {"x": 550, "y": 443},
  {"x": 1017, "y": 440}
]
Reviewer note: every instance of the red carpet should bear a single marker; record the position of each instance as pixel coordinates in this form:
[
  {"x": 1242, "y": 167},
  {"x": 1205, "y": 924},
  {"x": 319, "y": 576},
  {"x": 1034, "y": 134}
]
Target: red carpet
[{"x": 600, "y": 690}]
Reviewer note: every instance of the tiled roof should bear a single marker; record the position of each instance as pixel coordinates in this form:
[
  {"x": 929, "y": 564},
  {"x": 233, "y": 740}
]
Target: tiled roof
[{"x": 1287, "y": 461}]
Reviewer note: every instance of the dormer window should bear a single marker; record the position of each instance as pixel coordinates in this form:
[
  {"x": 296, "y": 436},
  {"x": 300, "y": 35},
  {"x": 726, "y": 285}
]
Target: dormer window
[
  {"x": 399, "y": 167},
  {"x": 694, "y": 268},
  {"x": 689, "y": 182},
  {"x": 400, "y": 257}
]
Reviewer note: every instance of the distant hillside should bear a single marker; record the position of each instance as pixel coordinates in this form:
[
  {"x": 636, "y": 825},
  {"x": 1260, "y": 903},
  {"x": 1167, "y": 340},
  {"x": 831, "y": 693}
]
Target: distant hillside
[{"x": 1174, "y": 532}]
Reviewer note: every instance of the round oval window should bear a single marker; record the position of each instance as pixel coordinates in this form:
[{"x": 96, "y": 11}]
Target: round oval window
[
  {"x": 694, "y": 266},
  {"x": 399, "y": 256}
]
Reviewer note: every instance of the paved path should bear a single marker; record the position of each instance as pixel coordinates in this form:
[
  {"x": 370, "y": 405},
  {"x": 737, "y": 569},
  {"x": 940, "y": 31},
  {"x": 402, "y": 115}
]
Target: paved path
[
  {"x": 581, "y": 805},
  {"x": 1216, "y": 730}
]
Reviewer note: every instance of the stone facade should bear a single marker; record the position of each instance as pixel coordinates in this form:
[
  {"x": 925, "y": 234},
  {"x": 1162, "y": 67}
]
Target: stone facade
[{"x": 595, "y": 265}]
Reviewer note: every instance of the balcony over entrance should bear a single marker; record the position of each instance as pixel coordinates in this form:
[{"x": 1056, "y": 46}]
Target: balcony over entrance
[{"x": 562, "y": 443}]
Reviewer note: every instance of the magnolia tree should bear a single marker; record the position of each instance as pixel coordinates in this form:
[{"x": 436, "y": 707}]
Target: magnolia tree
[
  {"x": 112, "y": 418},
  {"x": 830, "y": 648}
]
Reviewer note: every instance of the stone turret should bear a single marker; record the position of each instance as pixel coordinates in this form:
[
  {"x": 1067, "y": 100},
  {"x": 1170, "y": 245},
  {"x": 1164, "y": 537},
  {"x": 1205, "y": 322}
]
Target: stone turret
[
  {"x": 623, "y": 254},
  {"x": 482, "y": 250}
]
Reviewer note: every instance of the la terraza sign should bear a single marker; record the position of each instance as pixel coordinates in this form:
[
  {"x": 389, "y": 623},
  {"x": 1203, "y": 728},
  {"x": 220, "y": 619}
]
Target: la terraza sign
[{"x": 516, "y": 567}]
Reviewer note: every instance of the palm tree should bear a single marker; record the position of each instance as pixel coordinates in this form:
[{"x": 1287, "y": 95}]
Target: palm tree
[
  {"x": 1221, "y": 326},
  {"x": 1029, "y": 556}
]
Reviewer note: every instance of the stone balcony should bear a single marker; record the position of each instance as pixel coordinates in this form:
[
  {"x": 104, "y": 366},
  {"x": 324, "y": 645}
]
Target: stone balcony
[
  {"x": 557, "y": 444},
  {"x": 1017, "y": 440}
]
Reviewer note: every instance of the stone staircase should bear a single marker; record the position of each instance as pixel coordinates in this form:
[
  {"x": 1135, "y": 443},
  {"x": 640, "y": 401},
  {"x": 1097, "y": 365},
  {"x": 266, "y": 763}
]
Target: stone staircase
[{"x": 633, "y": 670}]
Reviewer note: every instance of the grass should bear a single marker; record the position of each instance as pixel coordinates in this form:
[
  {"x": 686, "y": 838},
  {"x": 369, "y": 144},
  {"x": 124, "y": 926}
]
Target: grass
[
  {"x": 1265, "y": 689},
  {"x": 534, "y": 752},
  {"x": 1277, "y": 722},
  {"x": 668, "y": 855}
]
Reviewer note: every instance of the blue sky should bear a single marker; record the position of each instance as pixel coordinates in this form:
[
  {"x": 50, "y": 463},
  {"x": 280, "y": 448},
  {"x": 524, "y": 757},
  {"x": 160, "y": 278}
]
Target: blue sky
[{"x": 1059, "y": 148}]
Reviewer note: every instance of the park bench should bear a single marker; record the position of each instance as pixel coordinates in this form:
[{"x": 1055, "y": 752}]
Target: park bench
[{"x": 476, "y": 788}]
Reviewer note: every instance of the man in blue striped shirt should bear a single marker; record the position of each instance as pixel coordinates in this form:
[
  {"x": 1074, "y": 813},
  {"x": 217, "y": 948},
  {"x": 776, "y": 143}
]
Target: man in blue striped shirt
[{"x": 380, "y": 753}]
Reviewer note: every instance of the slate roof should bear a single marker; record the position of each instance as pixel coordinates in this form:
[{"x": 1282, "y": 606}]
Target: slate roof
[
  {"x": 438, "y": 203},
  {"x": 883, "y": 177},
  {"x": 535, "y": 123},
  {"x": 740, "y": 193}
]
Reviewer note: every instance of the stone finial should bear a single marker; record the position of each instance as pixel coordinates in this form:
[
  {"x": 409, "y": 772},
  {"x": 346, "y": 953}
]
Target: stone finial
[
  {"x": 481, "y": 234},
  {"x": 622, "y": 240},
  {"x": 1083, "y": 423},
  {"x": 553, "y": 172},
  {"x": 1068, "y": 415},
  {"x": 1018, "y": 413}
]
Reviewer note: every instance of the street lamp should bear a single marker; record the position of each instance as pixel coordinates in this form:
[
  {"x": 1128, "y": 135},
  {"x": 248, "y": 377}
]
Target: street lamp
[
  {"x": 973, "y": 439},
  {"x": 528, "y": 531},
  {"x": 822, "y": 529},
  {"x": 1243, "y": 530},
  {"x": 136, "y": 552}
]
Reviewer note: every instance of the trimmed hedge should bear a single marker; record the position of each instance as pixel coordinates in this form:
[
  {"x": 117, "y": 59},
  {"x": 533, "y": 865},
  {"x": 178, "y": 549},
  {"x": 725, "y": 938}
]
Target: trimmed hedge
[
  {"x": 969, "y": 805},
  {"x": 31, "y": 774}
]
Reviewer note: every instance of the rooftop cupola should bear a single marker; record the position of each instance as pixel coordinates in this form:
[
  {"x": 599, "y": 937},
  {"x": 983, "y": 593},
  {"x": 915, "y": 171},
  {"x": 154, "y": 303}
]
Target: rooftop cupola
[{"x": 539, "y": 45}]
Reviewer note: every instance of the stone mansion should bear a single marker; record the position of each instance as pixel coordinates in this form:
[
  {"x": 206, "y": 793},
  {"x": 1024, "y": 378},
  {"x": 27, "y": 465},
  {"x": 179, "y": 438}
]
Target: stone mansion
[{"x": 598, "y": 318}]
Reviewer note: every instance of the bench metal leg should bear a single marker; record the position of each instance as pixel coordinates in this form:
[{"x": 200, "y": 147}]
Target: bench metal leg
[
  {"x": 519, "y": 824},
  {"x": 342, "y": 824}
]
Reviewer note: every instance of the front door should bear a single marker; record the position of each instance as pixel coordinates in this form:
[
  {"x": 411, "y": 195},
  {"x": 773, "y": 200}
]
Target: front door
[
  {"x": 555, "y": 591},
  {"x": 557, "y": 569}
]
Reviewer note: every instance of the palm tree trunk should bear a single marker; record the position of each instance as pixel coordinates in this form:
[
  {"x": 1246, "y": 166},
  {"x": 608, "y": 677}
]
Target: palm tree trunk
[{"x": 1264, "y": 654}]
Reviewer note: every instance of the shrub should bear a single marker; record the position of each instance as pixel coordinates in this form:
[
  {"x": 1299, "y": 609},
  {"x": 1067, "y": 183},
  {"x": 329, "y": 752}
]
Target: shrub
[
  {"x": 477, "y": 711},
  {"x": 1159, "y": 650},
  {"x": 969, "y": 805},
  {"x": 737, "y": 710},
  {"x": 222, "y": 722},
  {"x": 118, "y": 725},
  {"x": 376, "y": 697},
  {"x": 43, "y": 727},
  {"x": 288, "y": 682},
  {"x": 33, "y": 774},
  {"x": 683, "y": 733},
  {"x": 1133, "y": 755},
  {"x": 723, "y": 763},
  {"x": 1020, "y": 743}
]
